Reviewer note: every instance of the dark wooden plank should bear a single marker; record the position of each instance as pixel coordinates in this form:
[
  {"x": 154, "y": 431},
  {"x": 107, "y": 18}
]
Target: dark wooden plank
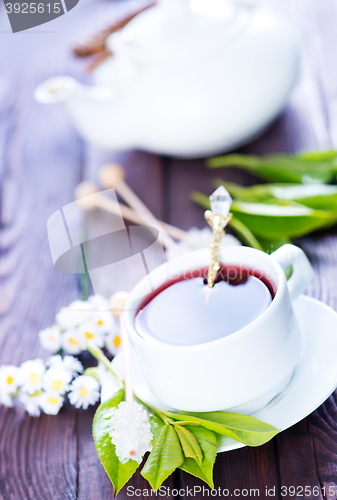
[
  {"x": 318, "y": 39},
  {"x": 246, "y": 472},
  {"x": 41, "y": 165}
]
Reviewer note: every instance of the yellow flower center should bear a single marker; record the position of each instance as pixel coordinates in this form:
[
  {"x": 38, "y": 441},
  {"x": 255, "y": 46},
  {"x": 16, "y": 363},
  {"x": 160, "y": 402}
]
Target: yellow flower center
[
  {"x": 52, "y": 400},
  {"x": 73, "y": 341},
  {"x": 89, "y": 335},
  {"x": 117, "y": 341},
  {"x": 52, "y": 338},
  {"x": 83, "y": 392},
  {"x": 33, "y": 379},
  {"x": 132, "y": 453},
  {"x": 100, "y": 322},
  {"x": 10, "y": 380},
  {"x": 56, "y": 385}
]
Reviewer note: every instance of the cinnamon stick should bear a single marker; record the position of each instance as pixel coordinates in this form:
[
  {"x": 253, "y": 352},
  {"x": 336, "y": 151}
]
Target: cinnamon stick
[{"x": 96, "y": 43}]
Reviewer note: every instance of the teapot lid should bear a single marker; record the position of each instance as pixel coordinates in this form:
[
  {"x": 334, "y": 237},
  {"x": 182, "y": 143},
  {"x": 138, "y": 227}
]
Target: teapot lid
[{"x": 176, "y": 30}]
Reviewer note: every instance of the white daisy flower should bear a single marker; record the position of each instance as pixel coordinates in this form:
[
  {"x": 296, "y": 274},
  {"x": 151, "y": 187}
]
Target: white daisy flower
[
  {"x": 113, "y": 342},
  {"x": 31, "y": 375},
  {"x": 68, "y": 363},
  {"x": 31, "y": 403},
  {"x": 99, "y": 302},
  {"x": 196, "y": 239},
  {"x": 56, "y": 380},
  {"x": 6, "y": 399},
  {"x": 130, "y": 431},
  {"x": 90, "y": 331},
  {"x": 51, "y": 402},
  {"x": 50, "y": 339},
  {"x": 103, "y": 318},
  {"x": 84, "y": 391},
  {"x": 71, "y": 316},
  {"x": 103, "y": 321},
  {"x": 71, "y": 341},
  {"x": 9, "y": 379}
]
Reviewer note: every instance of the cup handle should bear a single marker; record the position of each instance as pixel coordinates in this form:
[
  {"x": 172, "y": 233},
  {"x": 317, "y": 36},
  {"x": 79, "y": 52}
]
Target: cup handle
[{"x": 303, "y": 272}]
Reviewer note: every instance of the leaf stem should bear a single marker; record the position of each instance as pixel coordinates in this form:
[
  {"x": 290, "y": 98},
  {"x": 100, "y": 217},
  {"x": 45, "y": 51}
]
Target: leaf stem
[
  {"x": 100, "y": 356},
  {"x": 246, "y": 235},
  {"x": 158, "y": 412}
]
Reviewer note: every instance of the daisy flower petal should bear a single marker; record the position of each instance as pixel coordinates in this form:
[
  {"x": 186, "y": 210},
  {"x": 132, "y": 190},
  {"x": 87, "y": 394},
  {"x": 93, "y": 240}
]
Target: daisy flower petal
[
  {"x": 56, "y": 380},
  {"x": 51, "y": 402},
  {"x": 31, "y": 403},
  {"x": 9, "y": 379},
  {"x": 31, "y": 375},
  {"x": 55, "y": 361},
  {"x": 84, "y": 391},
  {"x": 6, "y": 399},
  {"x": 68, "y": 363},
  {"x": 99, "y": 302},
  {"x": 71, "y": 341},
  {"x": 72, "y": 365},
  {"x": 91, "y": 332},
  {"x": 73, "y": 315},
  {"x": 103, "y": 321},
  {"x": 50, "y": 339},
  {"x": 113, "y": 342}
]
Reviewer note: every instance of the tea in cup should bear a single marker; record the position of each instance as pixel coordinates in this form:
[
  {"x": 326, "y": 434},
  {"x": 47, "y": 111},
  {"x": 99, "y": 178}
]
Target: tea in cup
[
  {"x": 187, "y": 312},
  {"x": 235, "y": 355}
]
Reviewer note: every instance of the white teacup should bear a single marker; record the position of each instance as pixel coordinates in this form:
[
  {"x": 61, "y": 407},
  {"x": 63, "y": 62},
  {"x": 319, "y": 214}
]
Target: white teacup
[{"x": 243, "y": 371}]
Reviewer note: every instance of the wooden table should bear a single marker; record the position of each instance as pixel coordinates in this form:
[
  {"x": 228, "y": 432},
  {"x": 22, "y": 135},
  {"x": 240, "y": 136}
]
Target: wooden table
[{"x": 41, "y": 161}]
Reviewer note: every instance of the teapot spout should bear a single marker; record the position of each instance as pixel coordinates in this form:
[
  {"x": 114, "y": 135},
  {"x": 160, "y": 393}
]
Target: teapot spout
[{"x": 95, "y": 111}]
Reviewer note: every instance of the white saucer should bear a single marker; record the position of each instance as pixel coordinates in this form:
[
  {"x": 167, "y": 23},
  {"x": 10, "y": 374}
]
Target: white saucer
[{"x": 314, "y": 380}]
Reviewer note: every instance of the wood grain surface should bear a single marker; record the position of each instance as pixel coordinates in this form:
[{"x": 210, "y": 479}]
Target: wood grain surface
[{"x": 42, "y": 159}]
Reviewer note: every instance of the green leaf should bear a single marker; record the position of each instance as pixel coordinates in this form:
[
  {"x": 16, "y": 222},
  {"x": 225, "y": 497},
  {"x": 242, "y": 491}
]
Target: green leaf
[
  {"x": 207, "y": 441},
  {"x": 164, "y": 458},
  {"x": 189, "y": 443},
  {"x": 275, "y": 222},
  {"x": 118, "y": 473},
  {"x": 281, "y": 222},
  {"x": 92, "y": 371},
  {"x": 300, "y": 168},
  {"x": 248, "y": 430},
  {"x": 319, "y": 196},
  {"x": 259, "y": 193},
  {"x": 200, "y": 199},
  {"x": 269, "y": 246},
  {"x": 156, "y": 424}
]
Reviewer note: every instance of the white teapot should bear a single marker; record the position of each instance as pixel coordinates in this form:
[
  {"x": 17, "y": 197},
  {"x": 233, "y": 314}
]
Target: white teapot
[{"x": 187, "y": 78}]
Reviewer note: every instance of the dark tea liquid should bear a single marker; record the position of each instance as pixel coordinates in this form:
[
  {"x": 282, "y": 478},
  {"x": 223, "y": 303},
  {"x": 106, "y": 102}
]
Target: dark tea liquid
[{"x": 186, "y": 312}]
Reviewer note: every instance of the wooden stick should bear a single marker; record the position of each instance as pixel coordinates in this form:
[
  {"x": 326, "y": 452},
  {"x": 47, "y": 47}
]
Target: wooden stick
[
  {"x": 112, "y": 175},
  {"x": 86, "y": 188},
  {"x": 96, "y": 43}
]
